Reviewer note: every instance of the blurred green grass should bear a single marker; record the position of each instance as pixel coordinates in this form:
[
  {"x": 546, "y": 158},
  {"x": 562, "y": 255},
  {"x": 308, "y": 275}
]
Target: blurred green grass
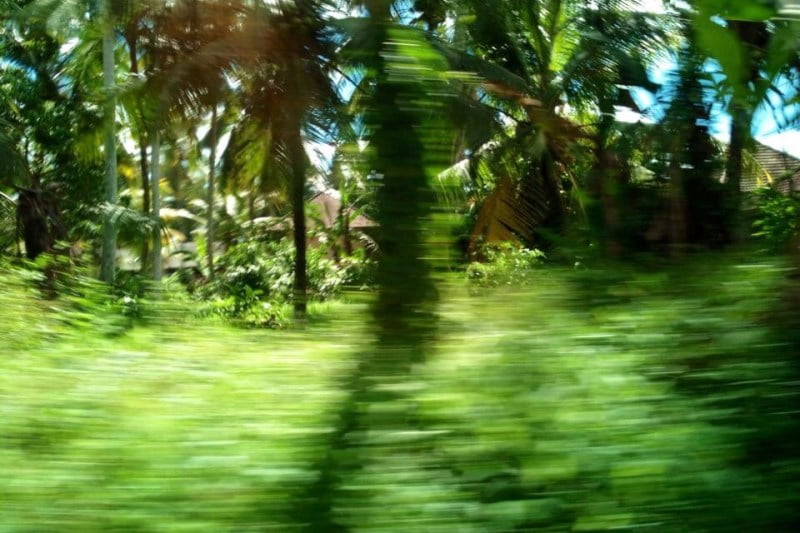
[{"x": 658, "y": 399}]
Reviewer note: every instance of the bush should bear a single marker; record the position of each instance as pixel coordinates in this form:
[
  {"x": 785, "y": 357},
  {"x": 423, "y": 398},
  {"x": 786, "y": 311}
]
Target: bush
[
  {"x": 80, "y": 301},
  {"x": 777, "y": 217},
  {"x": 254, "y": 280},
  {"x": 506, "y": 264},
  {"x": 66, "y": 300}
]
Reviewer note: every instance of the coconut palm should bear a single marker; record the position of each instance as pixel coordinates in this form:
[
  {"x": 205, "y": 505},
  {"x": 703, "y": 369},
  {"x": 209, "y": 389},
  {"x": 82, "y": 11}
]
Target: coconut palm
[
  {"x": 140, "y": 35},
  {"x": 554, "y": 70},
  {"x": 187, "y": 82},
  {"x": 44, "y": 118},
  {"x": 104, "y": 14},
  {"x": 754, "y": 51},
  {"x": 282, "y": 57}
]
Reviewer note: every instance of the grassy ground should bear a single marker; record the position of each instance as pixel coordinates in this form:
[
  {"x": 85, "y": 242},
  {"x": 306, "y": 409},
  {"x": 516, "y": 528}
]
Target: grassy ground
[{"x": 589, "y": 401}]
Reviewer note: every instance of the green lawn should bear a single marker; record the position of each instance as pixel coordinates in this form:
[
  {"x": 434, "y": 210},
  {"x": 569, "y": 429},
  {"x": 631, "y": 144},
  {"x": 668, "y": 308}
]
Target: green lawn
[{"x": 583, "y": 401}]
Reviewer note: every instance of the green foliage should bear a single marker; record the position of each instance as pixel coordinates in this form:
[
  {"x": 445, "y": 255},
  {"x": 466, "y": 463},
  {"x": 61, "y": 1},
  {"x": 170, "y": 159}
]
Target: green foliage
[
  {"x": 8, "y": 224},
  {"x": 505, "y": 264},
  {"x": 108, "y": 404},
  {"x": 254, "y": 280},
  {"x": 578, "y": 401},
  {"x": 71, "y": 301},
  {"x": 777, "y": 217}
]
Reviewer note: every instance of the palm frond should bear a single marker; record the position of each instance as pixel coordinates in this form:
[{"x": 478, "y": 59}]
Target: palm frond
[
  {"x": 513, "y": 212},
  {"x": 8, "y": 223}
]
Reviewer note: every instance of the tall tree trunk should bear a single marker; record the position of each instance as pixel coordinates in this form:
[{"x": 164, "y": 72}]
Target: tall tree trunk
[
  {"x": 155, "y": 168},
  {"x": 346, "y": 242},
  {"x": 39, "y": 221},
  {"x": 404, "y": 308},
  {"x": 210, "y": 194},
  {"x": 130, "y": 39},
  {"x": 603, "y": 211},
  {"x": 108, "y": 267},
  {"x": 754, "y": 37},
  {"x": 678, "y": 229},
  {"x": 741, "y": 121},
  {"x": 300, "y": 288},
  {"x": 143, "y": 166}
]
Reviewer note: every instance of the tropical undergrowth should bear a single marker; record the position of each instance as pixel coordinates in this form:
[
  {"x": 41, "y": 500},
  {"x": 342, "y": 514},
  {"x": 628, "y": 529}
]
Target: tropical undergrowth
[
  {"x": 611, "y": 397},
  {"x": 253, "y": 281}
]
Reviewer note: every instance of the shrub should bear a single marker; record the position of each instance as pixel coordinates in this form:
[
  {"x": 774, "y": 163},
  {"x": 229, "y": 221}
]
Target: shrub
[
  {"x": 506, "y": 264},
  {"x": 254, "y": 279},
  {"x": 80, "y": 301},
  {"x": 777, "y": 217}
]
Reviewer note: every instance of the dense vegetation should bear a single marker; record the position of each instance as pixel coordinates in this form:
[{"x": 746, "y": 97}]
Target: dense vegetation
[
  {"x": 637, "y": 400},
  {"x": 331, "y": 265}
]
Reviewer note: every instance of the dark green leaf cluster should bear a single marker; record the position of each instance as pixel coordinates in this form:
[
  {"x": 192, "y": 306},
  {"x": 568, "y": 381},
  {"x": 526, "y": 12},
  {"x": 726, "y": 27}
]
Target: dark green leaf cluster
[{"x": 776, "y": 218}]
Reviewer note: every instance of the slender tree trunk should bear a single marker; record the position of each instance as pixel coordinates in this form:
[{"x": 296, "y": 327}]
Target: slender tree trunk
[
  {"x": 155, "y": 168},
  {"x": 210, "y": 194},
  {"x": 108, "y": 267},
  {"x": 130, "y": 38},
  {"x": 144, "y": 168},
  {"x": 678, "y": 229},
  {"x": 299, "y": 218},
  {"x": 741, "y": 122},
  {"x": 348, "y": 245},
  {"x": 754, "y": 36},
  {"x": 345, "y": 204}
]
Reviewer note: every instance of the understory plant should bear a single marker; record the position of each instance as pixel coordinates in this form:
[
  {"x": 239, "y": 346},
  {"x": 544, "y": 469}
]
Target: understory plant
[
  {"x": 505, "y": 264},
  {"x": 777, "y": 217},
  {"x": 253, "y": 281}
]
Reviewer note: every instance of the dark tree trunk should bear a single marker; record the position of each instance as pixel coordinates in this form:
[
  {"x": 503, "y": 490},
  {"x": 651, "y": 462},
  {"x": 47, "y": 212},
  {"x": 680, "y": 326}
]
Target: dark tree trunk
[
  {"x": 741, "y": 121},
  {"x": 678, "y": 229},
  {"x": 552, "y": 187},
  {"x": 145, "y": 199},
  {"x": 754, "y": 37},
  {"x": 348, "y": 246},
  {"x": 155, "y": 169},
  {"x": 605, "y": 186},
  {"x": 298, "y": 182},
  {"x": 210, "y": 193},
  {"x": 404, "y": 308},
  {"x": 131, "y": 37},
  {"x": 605, "y": 212},
  {"x": 39, "y": 220}
]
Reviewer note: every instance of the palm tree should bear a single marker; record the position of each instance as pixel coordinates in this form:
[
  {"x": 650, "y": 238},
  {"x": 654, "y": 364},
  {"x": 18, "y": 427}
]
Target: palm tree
[
  {"x": 281, "y": 56},
  {"x": 155, "y": 168},
  {"x": 548, "y": 66},
  {"x": 406, "y": 140},
  {"x": 105, "y": 14},
  {"x": 754, "y": 53},
  {"x": 140, "y": 34},
  {"x": 43, "y": 117},
  {"x": 108, "y": 267},
  {"x": 294, "y": 99},
  {"x": 189, "y": 78}
]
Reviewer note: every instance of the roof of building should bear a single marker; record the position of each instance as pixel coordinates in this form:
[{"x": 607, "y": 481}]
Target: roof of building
[
  {"x": 772, "y": 166},
  {"x": 329, "y": 206}
]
